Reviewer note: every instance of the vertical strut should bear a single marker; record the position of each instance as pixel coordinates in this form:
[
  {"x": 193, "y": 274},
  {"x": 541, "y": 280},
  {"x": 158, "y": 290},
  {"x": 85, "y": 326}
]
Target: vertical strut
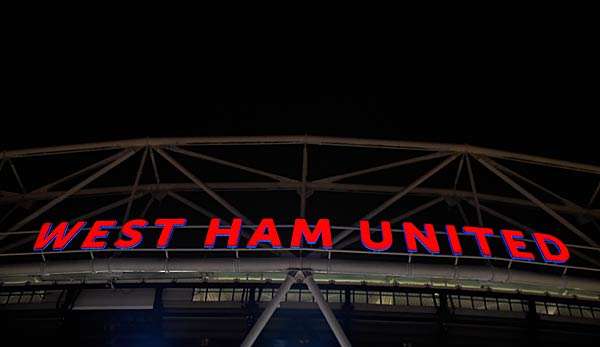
[{"x": 303, "y": 187}]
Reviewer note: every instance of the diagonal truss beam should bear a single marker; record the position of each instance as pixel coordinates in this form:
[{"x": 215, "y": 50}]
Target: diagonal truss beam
[
  {"x": 459, "y": 171},
  {"x": 534, "y": 184},
  {"x": 203, "y": 186},
  {"x": 91, "y": 214},
  {"x": 17, "y": 177},
  {"x": 594, "y": 195},
  {"x": 7, "y": 214},
  {"x": 474, "y": 189},
  {"x": 147, "y": 206},
  {"x": 282, "y": 291},
  {"x": 489, "y": 164},
  {"x": 91, "y": 167},
  {"x": 382, "y": 167},
  {"x": 205, "y": 212},
  {"x": 126, "y": 154},
  {"x": 417, "y": 209},
  {"x": 154, "y": 167},
  {"x": 397, "y": 196},
  {"x": 209, "y": 214},
  {"x": 412, "y": 212},
  {"x": 326, "y": 310},
  {"x": 109, "y": 207},
  {"x": 231, "y": 164},
  {"x": 278, "y": 186},
  {"x": 192, "y": 205},
  {"x": 136, "y": 183},
  {"x": 523, "y": 227},
  {"x": 234, "y": 211},
  {"x": 501, "y": 216},
  {"x": 462, "y": 213},
  {"x": 265, "y": 316}
]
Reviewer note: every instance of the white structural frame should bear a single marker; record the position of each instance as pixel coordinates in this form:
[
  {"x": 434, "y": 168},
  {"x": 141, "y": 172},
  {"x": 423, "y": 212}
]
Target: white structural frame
[
  {"x": 447, "y": 153},
  {"x": 298, "y": 268}
]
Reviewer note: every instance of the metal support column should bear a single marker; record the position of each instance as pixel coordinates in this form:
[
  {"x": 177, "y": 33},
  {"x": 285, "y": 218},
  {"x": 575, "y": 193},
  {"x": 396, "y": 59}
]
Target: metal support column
[
  {"x": 269, "y": 310},
  {"x": 326, "y": 310},
  {"x": 443, "y": 316},
  {"x": 532, "y": 323}
]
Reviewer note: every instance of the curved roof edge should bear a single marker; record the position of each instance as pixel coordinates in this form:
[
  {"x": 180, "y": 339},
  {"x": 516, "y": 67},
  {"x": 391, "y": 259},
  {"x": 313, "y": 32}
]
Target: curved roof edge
[
  {"x": 306, "y": 139},
  {"x": 143, "y": 268}
]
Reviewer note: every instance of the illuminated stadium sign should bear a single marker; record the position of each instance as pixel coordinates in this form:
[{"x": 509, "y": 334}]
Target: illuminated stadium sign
[{"x": 415, "y": 239}]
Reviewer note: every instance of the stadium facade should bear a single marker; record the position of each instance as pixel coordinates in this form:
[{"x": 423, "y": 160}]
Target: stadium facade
[{"x": 430, "y": 282}]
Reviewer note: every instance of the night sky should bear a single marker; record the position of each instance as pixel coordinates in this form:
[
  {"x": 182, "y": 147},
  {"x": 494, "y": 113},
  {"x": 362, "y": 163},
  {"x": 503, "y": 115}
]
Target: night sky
[
  {"x": 556, "y": 120},
  {"x": 519, "y": 84},
  {"x": 524, "y": 82},
  {"x": 522, "y": 93}
]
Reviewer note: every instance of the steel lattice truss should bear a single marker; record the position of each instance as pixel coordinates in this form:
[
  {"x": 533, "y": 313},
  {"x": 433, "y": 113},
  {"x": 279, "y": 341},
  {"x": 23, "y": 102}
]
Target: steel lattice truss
[{"x": 289, "y": 176}]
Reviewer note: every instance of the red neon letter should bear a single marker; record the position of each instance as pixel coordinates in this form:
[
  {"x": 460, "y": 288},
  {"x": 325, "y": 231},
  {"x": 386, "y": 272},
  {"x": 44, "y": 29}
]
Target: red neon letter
[
  {"x": 233, "y": 233},
  {"x": 515, "y": 245},
  {"x": 135, "y": 236},
  {"x": 386, "y": 239},
  {"x": 542, "y": 241},
  {"x": 168, "y": 224},
  {"x": 271, "y": 235},
  {"x": 453, "y": 239},
  {"x": 301, "y": 229},
  {"x": 412, "y": 233},
  {"x": 58, "y": 236},
  {"x": 98, "y": 231},
  {"x": 480, "y": 235}
]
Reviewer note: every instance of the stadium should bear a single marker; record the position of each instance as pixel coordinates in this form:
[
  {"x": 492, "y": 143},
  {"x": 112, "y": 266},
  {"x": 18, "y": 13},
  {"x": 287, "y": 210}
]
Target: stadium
[{"x": 184, "y": 291}]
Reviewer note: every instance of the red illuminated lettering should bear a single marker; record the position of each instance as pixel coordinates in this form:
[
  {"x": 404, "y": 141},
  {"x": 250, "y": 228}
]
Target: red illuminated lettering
[
  {"x": 98, "y": 231},
  {"x": 514, "y": 245},
  {"x": 453, "y": 240},
  {"x": 412, "y": 234},
  {"x": 301, "y": 230},
  {"x": 386, "y": 236},
  {"x": 168, "y": 224},
  {"x": 481, "y": 237},
  {"x": 562, "y": 252},
  {"x": 232, "y": 234},
  {"x": 129, "y": 231},
  {"x": 60, "y": 236},
  {"x": 265, "y": 232}
]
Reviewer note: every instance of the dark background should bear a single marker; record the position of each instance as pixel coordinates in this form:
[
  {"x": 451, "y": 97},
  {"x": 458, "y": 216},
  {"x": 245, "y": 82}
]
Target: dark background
[
  {"x": 514, "y": 85},
  {"x": 552, "y": 120},
  {"x": 523, "y": 81},
  {"x": 517, "y": 81}
]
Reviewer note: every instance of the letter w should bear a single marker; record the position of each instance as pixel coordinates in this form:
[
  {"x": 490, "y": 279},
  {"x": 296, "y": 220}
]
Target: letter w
[{"x": 60, "y": 236}]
